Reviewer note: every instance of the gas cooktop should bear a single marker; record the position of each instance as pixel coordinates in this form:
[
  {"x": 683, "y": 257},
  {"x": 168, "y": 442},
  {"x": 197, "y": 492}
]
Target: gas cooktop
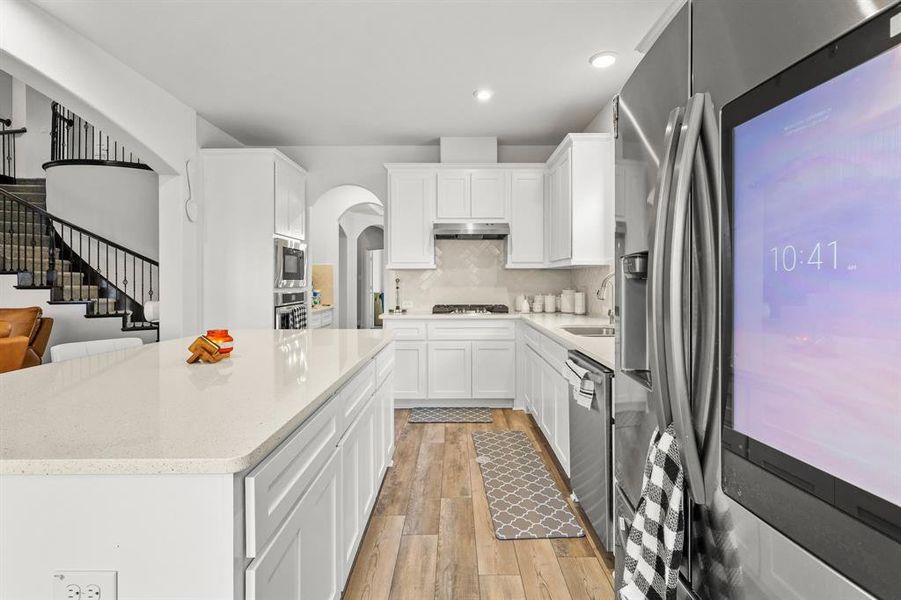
[{"x": 469, "y": 309}]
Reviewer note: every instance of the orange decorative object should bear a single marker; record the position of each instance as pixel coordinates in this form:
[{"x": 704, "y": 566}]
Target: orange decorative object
[
  {"x": 223, "y": 339},
  {"x": 205, "y": 349}
]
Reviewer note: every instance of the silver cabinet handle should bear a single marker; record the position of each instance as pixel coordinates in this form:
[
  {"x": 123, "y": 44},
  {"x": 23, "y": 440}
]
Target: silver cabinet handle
[
  {"x": 657, "y": 263},
  {"x": 677, "y": 361}
]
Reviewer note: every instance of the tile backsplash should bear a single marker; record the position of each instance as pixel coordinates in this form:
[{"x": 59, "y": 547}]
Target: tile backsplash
[{"x": 472, "y": 272}]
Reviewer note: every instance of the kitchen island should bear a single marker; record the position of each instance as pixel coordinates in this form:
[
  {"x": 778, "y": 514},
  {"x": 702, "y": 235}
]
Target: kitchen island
[{"x": 196, "y": 481}]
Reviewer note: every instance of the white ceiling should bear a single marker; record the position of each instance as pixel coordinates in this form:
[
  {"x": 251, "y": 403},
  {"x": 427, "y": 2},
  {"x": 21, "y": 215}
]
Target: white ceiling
[{"x": 296, "y": 72}]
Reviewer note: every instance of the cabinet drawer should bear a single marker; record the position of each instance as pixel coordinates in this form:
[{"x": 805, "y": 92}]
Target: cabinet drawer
[
  {"x": 353, "y": 396},
  {"x": 532, "y": 337},
  {"x": 406, "y": 330},
  {"x": 384, "y": 364},
  {"x": 554, "y": 353},
  {"x": 275, "y": 485},
  {"x": 472, "y": 329}
]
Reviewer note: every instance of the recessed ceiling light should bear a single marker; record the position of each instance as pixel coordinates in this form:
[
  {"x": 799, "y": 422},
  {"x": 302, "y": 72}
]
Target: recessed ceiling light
[
  {"x": 602, "y": 60},
  {"x": 483, "y": 95}
]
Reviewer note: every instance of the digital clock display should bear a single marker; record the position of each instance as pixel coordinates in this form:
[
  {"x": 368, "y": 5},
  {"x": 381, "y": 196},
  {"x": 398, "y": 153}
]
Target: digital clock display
[{"x": 817, "y": 277}]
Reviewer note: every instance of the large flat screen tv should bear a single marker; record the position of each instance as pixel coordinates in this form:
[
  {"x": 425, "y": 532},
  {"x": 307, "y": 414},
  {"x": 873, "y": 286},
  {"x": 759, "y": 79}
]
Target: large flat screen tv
[{"x": 812, "y": 289}]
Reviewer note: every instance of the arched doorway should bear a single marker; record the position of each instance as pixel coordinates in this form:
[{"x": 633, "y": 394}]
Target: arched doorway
[{"x": 337, "y": 218}]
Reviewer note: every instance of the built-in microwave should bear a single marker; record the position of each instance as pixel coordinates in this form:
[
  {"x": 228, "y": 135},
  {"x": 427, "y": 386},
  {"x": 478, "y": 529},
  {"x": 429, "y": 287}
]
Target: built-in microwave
[{"x": 290, "y": 264}]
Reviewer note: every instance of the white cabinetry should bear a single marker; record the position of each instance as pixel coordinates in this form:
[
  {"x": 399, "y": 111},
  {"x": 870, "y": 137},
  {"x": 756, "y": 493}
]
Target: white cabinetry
[
  {"x": 469, "y": 361},
  {"x": 546, "y": 390},
  {"x": 290, "y": 199},
  {"x": 303, "y": 528},
  {"x": 525, "y": 245},
  {"x": 251, "y": 195},
  {"x": 450, "y": 370},
  {"x": 493, "y": 369},
  {"x": 302, "y": 561},
  {"x": 580, "y": 204},
  {"x": 472, "y": 194},
  {"x": 409, "y": 217}
]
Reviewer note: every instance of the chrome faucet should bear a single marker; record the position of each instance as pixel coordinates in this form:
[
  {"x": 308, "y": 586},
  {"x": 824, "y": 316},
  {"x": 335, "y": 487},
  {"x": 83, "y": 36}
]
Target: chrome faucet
[{"x": 601, "y": 293}]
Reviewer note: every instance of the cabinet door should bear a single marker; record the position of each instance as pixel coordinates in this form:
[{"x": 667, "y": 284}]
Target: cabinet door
[
  {"x": 410, "y": 370},
  {"x": 303, "y": 559},
  {"x": 534, "y": 367},
  {"x": 488, "y": 194},
  {"x": 561, "y": 420},
  {"x": 282, "y": 224},
  {"x": 526, "y": 241},
  {"x": 548, "y": 402},
  {"x": 450, "y": 369},
  {"x": 358, "y": 464},
  {"x": 453, "y": 194},
  {"x": 493, "y": 369},
  {"x": 297, "y": 206},
  {"x": 561, "y": 210},
  {"x": 387, "y": 422},
  {"x": 411, "y": 210}
]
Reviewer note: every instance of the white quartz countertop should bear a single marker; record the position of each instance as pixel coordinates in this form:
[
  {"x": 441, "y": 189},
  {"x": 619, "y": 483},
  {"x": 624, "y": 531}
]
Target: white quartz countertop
[
  {"x": 147, "y": 411},
  {"x": 601, "y": 349}
]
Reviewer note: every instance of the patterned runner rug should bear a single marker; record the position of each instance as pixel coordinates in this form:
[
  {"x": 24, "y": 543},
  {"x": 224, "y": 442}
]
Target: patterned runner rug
[
  {"x": 523, "y": 499},
  {"x": 450, "y": 415}
]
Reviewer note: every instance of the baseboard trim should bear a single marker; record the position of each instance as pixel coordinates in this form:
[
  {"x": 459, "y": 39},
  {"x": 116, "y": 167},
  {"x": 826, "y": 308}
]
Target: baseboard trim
[{"x": 461, "y": 402}]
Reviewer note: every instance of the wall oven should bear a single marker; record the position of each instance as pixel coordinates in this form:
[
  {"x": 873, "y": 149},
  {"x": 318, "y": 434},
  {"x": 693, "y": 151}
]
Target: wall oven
[{"x": 290, "y": 264}]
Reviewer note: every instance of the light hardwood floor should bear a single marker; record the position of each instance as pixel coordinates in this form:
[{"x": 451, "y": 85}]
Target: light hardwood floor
[{"x": 431, "y": 536}]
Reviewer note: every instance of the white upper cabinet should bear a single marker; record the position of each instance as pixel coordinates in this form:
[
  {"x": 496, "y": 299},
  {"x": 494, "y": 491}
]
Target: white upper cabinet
[
  {"x": 472, "y": 194},
  {"x": 525, "y": 245},
  {"x": 488, "y": 189},
  {"x": 290, "y": 199},
  {"x": 409, "y": 217},
  {"x": 454, "y": 198},
  {"x": 581, "y": 201}
]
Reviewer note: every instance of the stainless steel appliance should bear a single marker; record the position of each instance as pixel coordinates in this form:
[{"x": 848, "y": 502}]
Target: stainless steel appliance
[
  {"x": 469, "y": 309},
  {"x": 290, "y": 310},
  {"x": 669, "y": 368},
  {"x": 591, "y": 449},
  {"x": 471, "y": 231},
  {"x": 290, "y": 264}
]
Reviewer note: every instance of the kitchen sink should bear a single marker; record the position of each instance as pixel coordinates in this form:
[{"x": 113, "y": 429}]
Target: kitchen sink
[{"x": 591, "y": 331}]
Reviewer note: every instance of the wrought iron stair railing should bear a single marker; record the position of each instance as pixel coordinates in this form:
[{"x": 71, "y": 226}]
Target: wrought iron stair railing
[
  {"x": 76, "y": 265},
  {"x": 74, "y": 140},
  {"x": 8, "y": 150}
]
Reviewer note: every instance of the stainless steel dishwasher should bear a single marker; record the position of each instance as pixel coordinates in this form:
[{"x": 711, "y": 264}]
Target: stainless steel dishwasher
[{"x": 591, "y": 449}]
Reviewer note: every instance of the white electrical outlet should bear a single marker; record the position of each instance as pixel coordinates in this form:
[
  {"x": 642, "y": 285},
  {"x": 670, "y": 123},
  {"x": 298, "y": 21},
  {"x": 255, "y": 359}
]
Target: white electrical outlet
[{"x": 85, "y": 585}]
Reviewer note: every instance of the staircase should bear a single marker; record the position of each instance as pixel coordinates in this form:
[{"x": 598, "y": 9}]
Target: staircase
[{"x": 75, "y": 265}]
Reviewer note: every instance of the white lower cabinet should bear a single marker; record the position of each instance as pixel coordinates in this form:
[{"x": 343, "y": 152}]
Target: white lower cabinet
[
  {"x": 493, "y": 369},
  {"x": 450, "y": 370},
  {"x": 546, "y": 391},
  {"x": 410, "y": 370},
  {"x": 303, "y": 559},
  {"x": 311, "y": 551}
]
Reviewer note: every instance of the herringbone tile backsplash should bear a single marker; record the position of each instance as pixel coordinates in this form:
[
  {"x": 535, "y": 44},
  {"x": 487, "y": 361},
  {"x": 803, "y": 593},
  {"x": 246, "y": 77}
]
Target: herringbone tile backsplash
[{"x": 472, "y": 272}]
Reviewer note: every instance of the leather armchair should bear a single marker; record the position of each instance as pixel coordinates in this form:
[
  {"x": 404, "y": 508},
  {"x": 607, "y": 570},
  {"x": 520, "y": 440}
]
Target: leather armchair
[
  {"x": 12, "y": 348},
  {"x": 29, "y": 323}
]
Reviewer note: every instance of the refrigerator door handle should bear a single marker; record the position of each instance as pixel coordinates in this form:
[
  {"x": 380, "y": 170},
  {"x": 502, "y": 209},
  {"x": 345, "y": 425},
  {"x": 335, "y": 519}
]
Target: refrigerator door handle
[
  {"x": 678, "y": 365},
  {"x": 657, "y": 264}
]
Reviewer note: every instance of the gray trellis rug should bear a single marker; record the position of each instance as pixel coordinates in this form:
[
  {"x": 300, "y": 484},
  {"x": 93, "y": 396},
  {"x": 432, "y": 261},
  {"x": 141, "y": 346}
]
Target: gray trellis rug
[
  {"x": 450, "y": 415},
  {"x": 522, "y": 497}
]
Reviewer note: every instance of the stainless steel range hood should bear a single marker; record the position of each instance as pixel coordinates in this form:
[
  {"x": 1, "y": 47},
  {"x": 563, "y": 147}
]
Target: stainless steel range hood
[{"x": 471, "y": 231}]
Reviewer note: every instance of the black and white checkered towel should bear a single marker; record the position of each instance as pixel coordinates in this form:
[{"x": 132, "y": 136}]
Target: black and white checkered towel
[
  {"x": 654, "y": 547},
  {"x": 295, "y": 318}
]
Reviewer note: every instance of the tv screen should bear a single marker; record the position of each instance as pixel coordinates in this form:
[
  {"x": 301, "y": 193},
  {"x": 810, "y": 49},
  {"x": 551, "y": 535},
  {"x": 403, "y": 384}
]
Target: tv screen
[{"x": 816, "y": 297}]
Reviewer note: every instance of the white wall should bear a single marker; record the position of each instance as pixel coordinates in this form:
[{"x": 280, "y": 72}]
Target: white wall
[
  {"x": 118, "y": 203},
  {"x": 33, "y": 147},
  {"x": 6, "y": 95},
  {"x": 210, "y": 136}
]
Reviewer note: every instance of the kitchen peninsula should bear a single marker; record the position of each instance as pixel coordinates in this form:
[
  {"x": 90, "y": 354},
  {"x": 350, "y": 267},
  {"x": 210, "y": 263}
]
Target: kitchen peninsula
[{"x": 194, "y": 481}]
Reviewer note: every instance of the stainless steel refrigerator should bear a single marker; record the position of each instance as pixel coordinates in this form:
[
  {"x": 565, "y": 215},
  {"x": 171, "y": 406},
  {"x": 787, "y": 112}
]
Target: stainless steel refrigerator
[{"x": 669, "y": 200}]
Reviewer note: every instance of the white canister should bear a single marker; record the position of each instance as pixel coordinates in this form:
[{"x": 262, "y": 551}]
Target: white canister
[
  {"x": 567, "y": 301},
  {"x": 517, "y": 303},
  {"x": 538, "y": 304},
  {"x": 579, "y": 303},
  {"x": 550, "y": 303},
  {"x": 524, "y": 306}
]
